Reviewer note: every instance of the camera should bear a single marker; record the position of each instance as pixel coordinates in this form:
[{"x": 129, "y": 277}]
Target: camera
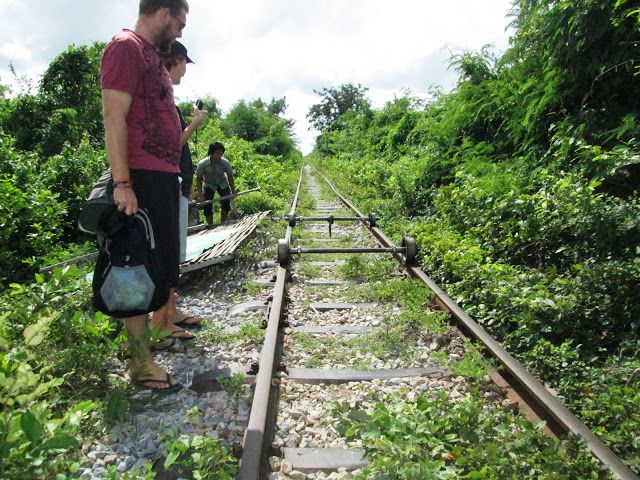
[{"x": 199, "y": 104}]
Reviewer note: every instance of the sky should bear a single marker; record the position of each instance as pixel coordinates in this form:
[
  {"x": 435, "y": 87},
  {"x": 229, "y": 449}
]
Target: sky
[{"x": 249, "y": 49}]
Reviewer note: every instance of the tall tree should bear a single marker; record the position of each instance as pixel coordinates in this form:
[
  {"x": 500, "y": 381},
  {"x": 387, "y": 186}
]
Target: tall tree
[
  {"x": 335, "y": 103},
  {"x": 67, "y": 103},
  {"x": 72, "y": 80},
  {"x": 256, "y": 122}
]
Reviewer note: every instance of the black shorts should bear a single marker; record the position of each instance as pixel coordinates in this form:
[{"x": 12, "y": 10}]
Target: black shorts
[
  {"x": 157, "y": 192},
  {"x": 225, "y": 205}
]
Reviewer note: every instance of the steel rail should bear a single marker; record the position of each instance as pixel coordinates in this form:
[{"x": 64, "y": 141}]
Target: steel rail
[
  {"x": 254, "y": 454},
  {"x": 539, "y": 399}
]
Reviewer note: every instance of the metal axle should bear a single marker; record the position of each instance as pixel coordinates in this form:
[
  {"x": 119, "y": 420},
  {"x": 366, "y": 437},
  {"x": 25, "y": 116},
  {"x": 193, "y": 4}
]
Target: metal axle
[
  {"x": 300, "y": 250},
  {"x": 408, "y": 249},
  {"x": 293, "y": 220}
]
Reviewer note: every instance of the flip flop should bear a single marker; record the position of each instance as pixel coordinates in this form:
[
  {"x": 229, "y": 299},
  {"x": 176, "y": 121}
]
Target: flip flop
[
  {"x": 142, "y": 384},
  {"x": 184, "y": 323},
  {"x": 165, "y": 343},
  {"x": 184, "y": 339}
]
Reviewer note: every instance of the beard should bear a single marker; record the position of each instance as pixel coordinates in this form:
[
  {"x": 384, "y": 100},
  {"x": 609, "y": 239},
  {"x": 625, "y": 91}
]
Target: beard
[{"x": 164, "y": 39}]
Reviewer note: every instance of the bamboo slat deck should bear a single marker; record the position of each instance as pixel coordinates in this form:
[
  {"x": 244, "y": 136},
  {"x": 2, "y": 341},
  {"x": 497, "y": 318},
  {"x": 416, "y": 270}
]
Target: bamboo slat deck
[{"x": 223, "y": 251}]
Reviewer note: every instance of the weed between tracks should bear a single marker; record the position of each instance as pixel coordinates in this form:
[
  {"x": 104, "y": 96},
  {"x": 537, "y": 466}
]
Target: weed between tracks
[{"x": 249, "y": 331}]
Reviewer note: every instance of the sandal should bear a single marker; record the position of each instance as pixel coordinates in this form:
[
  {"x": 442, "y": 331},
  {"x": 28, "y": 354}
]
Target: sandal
[
  {"x": 193, "y": 324},
  {"x": 143, "y": 384},
  {"x": 163, "y": 344},
  {"x": 185, "y": 338}
]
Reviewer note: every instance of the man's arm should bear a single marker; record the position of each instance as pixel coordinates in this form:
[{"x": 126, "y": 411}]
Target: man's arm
[
  {"x": 115, "y": 105},
  {"x": 231, "y": 183},
  {"x": 229, "y": 173},
  {"x": 198, "y": 116}
]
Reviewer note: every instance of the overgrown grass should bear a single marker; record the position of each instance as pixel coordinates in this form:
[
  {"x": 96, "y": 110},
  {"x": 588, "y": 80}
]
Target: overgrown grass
[
  {"x": 363, "y": 267},
  {"x": 53, "y": 353},
  {"x": 249, "y": 331},
  {"x": 384, "y": 345},
  {"x": 308, "y": 270},
  {"x": 436, "y": 438}
]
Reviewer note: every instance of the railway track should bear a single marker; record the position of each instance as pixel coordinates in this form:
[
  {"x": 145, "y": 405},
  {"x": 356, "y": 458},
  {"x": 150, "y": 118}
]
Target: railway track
[
  {"x": 325, "y": 348},
  {"x": 298, "y": 356}
]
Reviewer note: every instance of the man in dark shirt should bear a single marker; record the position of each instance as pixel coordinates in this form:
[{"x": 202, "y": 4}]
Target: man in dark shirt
[{"x": 143, "y": 141}]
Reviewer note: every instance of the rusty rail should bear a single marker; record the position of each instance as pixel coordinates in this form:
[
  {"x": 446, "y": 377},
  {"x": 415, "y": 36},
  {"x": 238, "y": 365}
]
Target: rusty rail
[
  {"x": 558, "y": 417},
  {"x": 254, "y": 450}
]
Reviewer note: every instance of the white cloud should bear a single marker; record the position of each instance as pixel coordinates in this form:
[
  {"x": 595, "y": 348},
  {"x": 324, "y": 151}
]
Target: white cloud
[
  {"x": 15, "y": 51},
  {"x": 276, "y": 48}
]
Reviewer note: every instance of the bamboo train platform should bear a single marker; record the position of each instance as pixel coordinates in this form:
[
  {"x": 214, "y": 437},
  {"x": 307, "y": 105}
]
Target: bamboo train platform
[{"x": 209, "y": 246}]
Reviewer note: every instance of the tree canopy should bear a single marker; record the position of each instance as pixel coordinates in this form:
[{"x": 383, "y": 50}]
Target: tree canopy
[
  {"x": 66, "y": 104},
  {"x": 261, "y": 123},
  {"x": 336, "y": 102}
]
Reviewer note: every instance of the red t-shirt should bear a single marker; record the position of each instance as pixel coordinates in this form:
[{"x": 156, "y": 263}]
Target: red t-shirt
[{"x": 131, "y": 64}]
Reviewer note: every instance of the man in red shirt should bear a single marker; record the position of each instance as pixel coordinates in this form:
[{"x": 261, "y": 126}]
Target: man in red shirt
[{"x": 143, "y": 140}]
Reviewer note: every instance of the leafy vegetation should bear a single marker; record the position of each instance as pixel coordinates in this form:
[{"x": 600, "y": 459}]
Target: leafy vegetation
[
  {"x": 520, "y": 186},
  {"x": 52, "y": 351},
  {"x": 199, "y": 457},
  {"x": 360, "y": 267},
  {"x": 521, "y": 189},
  {"x": 433, "y": 438}
]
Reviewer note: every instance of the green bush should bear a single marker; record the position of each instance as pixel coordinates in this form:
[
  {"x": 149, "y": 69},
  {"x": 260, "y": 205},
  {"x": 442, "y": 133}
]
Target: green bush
[
  {"x": 62, "y": 127},
  {"x": 257, "y": 202},
  {"x": 200, "y": 457},
  {"x": 521, "y": 186},
  {"x": 71, "y": 174},
  {"x": 75, "y": 341},
  {"x": 37, "y": 440},
  {"x": 434, "y": 438},
  {"x": 31, "y": 217}
]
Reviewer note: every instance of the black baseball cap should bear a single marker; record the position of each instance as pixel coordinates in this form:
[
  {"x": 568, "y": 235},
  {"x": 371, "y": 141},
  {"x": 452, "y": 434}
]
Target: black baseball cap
[{"x": 179, "y": 50}]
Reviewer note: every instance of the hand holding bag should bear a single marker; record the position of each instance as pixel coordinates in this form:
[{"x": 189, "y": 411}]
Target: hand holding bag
[{"x": 129, "y": 278}]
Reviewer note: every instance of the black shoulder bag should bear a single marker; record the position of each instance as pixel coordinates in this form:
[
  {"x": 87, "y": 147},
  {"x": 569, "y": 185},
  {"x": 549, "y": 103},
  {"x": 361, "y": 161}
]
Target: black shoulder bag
[{"x": 129, "y": 278}]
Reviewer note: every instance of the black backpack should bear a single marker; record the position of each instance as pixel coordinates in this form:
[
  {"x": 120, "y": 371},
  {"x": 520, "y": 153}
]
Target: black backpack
[
  {"x": 98, "y": 206},
  {"x": 129, "y": 278}
]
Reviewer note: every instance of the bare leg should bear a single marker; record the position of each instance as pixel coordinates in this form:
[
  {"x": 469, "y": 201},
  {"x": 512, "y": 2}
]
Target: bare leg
[
  {"x": 224, "y": 214},
  {"x": 177, "y": 316},
  {"x": 172, "y": 307},
  {"x": 161, "y": 318},
  {"x": 142, "y": 365},
  {"x": 209, "y": 219}
]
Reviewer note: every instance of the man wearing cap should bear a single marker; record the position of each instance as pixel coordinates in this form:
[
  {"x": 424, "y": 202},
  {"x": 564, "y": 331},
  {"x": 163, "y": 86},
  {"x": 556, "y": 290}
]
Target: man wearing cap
[
  {"x": 176, "y": 63},
  {"x": 143, "y": 142}
]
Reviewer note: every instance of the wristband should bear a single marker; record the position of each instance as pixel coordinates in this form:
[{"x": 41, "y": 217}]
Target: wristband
[{"x": 122, "y": 184}]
